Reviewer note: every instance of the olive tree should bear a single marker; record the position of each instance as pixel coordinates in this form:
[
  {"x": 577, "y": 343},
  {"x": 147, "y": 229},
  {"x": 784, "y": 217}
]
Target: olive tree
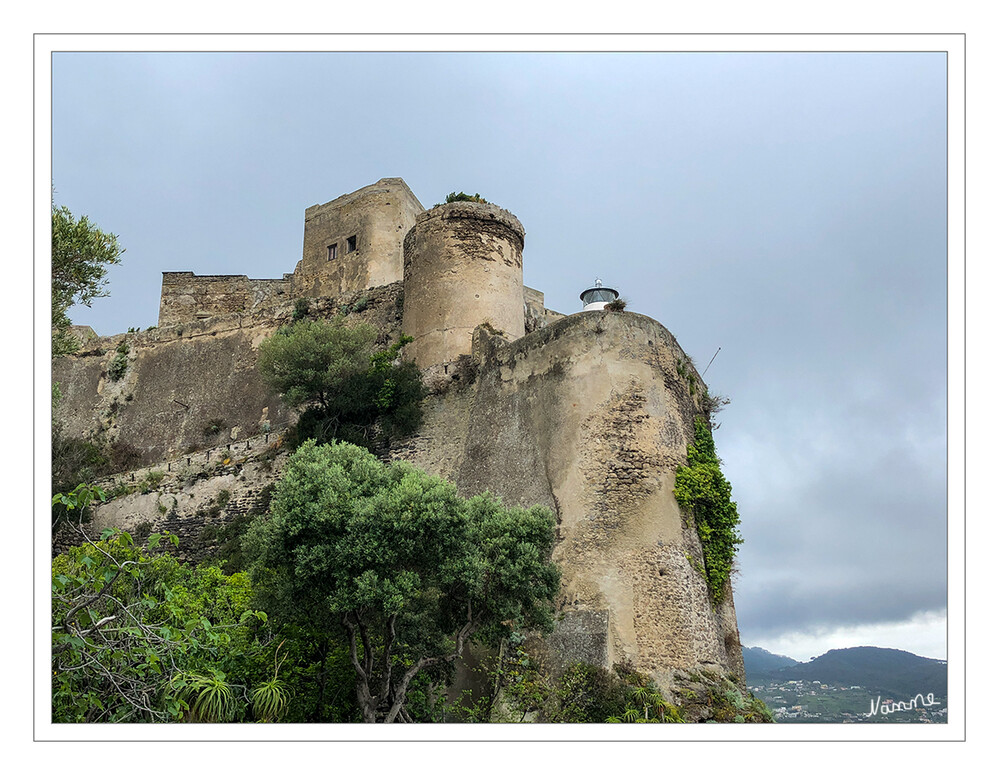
[
  {"x": 81, "y": 254},
  {"x": 410, "y": 571}
]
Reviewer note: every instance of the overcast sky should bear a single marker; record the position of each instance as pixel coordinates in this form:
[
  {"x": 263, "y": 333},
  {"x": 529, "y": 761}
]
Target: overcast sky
[{"x": 788, "y": 208}]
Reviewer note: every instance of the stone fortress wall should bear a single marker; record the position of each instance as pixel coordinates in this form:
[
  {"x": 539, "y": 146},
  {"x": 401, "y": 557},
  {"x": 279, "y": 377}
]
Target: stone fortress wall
[
  {"x": 186, "y": 297},
  {"x": 183, "y": 379},
  {"x": 588, "y": 414},
  {"x": 351, "y": 243},
  {"x": 355, "y": 241}
]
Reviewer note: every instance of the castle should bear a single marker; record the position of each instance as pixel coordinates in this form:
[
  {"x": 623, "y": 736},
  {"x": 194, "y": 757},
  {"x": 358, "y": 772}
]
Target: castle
[{"x": 588, "y": 414}]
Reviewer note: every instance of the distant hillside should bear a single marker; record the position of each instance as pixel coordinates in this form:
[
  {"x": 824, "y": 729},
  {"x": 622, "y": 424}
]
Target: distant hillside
[
  {"x": 761, "y": 663},
  {"x": 890, "y": 672}
]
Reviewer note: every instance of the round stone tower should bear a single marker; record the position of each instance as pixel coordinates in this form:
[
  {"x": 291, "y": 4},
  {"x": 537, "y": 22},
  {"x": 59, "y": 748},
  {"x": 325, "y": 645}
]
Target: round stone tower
[{"x": 462, "y": 267}]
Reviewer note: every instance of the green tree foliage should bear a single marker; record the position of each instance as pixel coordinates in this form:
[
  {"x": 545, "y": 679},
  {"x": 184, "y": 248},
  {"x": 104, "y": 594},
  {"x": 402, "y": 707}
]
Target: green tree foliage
[
  {"x": 137, "y": 637},
  {"x": 81, "y": 254},
  {"x": 315, "y": 672},
  {"x": 309, "y": 361},
  {"x": 587, "y": 694},
  {"x": 301, "y": 309},
  {"x": 349, "y": 391},
  {"x": 703, "y": 489},
  {"x": 409, "y": 570}
]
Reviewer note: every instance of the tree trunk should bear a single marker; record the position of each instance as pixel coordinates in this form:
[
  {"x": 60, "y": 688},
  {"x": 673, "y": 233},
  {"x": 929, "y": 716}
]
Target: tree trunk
[{"x": 317, "y": 714}]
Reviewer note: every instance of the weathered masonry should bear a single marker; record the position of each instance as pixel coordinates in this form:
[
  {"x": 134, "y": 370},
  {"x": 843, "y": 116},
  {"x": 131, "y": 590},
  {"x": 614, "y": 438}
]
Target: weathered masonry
[{"x": 589, "y": 414}]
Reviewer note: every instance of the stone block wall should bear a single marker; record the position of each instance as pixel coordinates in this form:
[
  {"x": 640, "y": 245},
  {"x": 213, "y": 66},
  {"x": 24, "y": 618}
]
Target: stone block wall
[
  {"x": 536, "y": 315},
  {"x": 177, "y": 385},
  {"x": 183, "y": 379},
  {"x": 186, "y": 297},
  {"x": 463, "y": 267}
]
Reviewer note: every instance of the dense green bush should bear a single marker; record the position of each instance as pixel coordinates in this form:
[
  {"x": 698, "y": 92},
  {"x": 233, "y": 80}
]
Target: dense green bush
[
  {"x": 301, "y": 309},
  {"x": 589, "y": 694},
  {"x": 349, "y": 391},
  {"x": 137, "y": 637},
  {"x": 308, "y": 361}
]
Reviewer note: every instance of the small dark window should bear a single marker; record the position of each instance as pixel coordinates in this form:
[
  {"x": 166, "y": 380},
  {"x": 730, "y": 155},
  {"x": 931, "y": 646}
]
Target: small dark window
[
  {"x": 331, "y": 252},
  {"x": 351, "y": 244}
]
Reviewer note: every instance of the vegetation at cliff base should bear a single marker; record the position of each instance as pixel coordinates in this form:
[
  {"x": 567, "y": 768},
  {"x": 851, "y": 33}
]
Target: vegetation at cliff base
[
  {"x": 136, "y": 636},
  {"x": 405, "y": 569},
  {"x": 139, "y": 637},
  {"x": 706, "y": 493},
  {"x": 81, "y": 255},
  {"x": 347, "y": 389},
  {"x": 365, "y": 582}
]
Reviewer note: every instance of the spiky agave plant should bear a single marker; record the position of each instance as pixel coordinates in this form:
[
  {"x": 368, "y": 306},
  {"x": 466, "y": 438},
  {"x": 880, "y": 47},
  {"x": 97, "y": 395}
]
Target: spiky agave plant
[
  {"x": 270, "y": 699},
  {"x": 209, "y": 698},
  {"x": 647, "y": 706}
]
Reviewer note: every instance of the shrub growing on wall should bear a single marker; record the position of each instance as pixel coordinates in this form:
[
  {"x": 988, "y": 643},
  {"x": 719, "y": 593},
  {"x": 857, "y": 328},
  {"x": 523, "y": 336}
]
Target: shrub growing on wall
[
  {"x": 348, "y": 391},
  {"x": 309, "y": 361},
  {"x": 461, "y": 196}
]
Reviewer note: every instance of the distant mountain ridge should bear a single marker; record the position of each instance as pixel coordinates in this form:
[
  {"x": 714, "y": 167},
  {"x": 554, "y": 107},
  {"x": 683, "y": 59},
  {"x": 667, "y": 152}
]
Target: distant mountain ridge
[
  {"x": 889, "y": 672},
  {"x": 759, "y": 661}
]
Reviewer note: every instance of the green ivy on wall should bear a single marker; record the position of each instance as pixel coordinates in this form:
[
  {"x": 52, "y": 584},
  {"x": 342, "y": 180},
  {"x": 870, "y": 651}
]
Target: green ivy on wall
[{"x": 706, "y": 493}]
